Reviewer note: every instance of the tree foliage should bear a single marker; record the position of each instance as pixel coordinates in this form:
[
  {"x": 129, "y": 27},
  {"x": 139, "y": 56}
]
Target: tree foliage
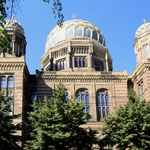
[
  {"x": 56, "y": 124},
  {"x": 8, "y": 7},
  {"x": 129, "y": 126},
  {"x": 8, "y": 137},
  {"x": 4, "y": 37},
  {"x": 57, "y": 11}
]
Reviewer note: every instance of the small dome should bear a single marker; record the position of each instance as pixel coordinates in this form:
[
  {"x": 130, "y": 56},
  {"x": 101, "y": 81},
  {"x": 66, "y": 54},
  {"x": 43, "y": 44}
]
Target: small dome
[
  {"x": 14, "y": 26},
  {"x": 143, "y": 29},
  {"x": 74, "y": 29}
]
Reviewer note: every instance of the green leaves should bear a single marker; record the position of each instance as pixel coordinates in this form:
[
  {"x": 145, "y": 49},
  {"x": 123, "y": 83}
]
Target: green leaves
[
  {"x": 57, "y": 11},
  {"x": 5, "y": 5},
  {"x": 5, "y": 39},
  {"x": 129, "y": 126},
  {"x": 55, "y": 124}
]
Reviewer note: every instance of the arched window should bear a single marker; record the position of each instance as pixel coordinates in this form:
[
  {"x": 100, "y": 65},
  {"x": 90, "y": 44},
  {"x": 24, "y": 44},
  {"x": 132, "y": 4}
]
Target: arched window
[
  {"x": 98, "y": 65},
  {"x": 10, "y": 82},
  {"x": 94, "y": 35},
  {"x": 80, "y": 62},
  {"x": 103, "y": 99},
  {"x": 78, "y": 31},
  {"x": 58, "y": 65},
  {"x": 34, "y": 95},
  {"x": 100, "y": 39},
  {"x": 87, "y": 32},
  {"x": 69, "y": 32},
  {"x": 3, "y": 82},
  {"x": 145, "y": 50},
  {"x": 107, "y": 110},
  {"x": 61, "y": 64},
  {"x": 106, "y": 99},
  {"x": 53, "y": 39},
  {"x": 61, "y": 35},
  {"x": 102, "y": 102},
  {"x": 84, "y": 62},
  {"x": 76, "y": 62},
  {"x": 11, "y": 109},
  {"x": 64, "y": 64},
  {"x": 104, "y": 42},
  {"x": 83, "y": 96}
]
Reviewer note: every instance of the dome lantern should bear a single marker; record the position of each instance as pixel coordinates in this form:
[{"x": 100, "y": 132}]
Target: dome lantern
[
  {"x": 143, "y": 29},
  {"x": 14, "y": 25}
]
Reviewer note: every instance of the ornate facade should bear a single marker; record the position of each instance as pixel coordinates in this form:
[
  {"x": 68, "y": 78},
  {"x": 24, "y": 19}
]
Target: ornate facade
[{"x": 76, "y": 55}]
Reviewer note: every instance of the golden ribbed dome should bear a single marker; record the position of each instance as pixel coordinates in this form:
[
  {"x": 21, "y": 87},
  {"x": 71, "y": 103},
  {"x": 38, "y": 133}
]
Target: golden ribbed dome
[{"x": 74, "y": 29}]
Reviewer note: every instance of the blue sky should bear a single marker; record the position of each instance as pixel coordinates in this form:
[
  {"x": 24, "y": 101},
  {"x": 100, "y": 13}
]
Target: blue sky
[{"x": 117, "y": 19}]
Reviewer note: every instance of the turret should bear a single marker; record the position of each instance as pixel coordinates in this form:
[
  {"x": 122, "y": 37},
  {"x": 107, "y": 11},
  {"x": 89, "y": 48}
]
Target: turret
[
  {"x": 16, "y": 33},
  {"x": 142, "y": 43}
]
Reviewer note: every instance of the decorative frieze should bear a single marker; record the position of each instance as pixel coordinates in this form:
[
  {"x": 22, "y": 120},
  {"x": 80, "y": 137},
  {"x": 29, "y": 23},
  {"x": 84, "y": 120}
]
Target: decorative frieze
[
  {"x": 80, "y": 50},
  {"x": 102, "y": 78},
  {"x": 11, "y": 66},
  {"x": 59, "y": 53}
]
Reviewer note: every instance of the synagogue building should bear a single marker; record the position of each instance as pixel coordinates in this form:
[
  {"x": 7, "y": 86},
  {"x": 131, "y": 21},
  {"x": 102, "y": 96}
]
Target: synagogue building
[{"x": 75, "y": 54}]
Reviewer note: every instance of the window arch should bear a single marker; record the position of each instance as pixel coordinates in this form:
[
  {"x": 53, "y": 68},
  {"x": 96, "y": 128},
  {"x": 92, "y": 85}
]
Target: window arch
[
  {"x": 80, "y": 62},
  {"x": 145, "y": 50},
  {"x": 104, "y": 42},
  {"x": 34, "y": 95},
  {"x": 53, "y": 39},
  {"x": 3, "y": 82},
  {"x": 61, "y": 35},
  {"x": 102, "y": 102},
  {"x": 87, "y": 32},
  {"x": 83, "y": 96},
  {"x": 61, "y": 64},
  {"x": 69, "y": 32},
  {"x": 98, "y": 65},
  {"x": 78, "y": 31},
  {"x": 10, "y": 82}
]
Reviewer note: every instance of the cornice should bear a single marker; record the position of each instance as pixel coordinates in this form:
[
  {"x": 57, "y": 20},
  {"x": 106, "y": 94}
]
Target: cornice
[
  {"x": 11, "y": 58},
  {"x": 81, "y": 78}
]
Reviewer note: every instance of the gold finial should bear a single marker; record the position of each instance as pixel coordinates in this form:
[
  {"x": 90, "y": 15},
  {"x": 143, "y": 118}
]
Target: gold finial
[
  {"x": 12, "y": 18},
  {"x": 144, "y": 21},
  {"x": 73, "y": 16}
]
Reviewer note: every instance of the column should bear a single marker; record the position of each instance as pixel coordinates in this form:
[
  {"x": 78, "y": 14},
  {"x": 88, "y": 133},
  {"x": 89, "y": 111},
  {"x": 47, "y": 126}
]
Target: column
[
  {"x": 50, "y": 61},
  {"x": 13, "y": 45},
  {"x": 106, "y": 62},
  {"x": 68, "y": 58},
  {"x": 54, "y": 66},
  {"x": 90, "y": 57},
  {"x": 93, "y": 102}
]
